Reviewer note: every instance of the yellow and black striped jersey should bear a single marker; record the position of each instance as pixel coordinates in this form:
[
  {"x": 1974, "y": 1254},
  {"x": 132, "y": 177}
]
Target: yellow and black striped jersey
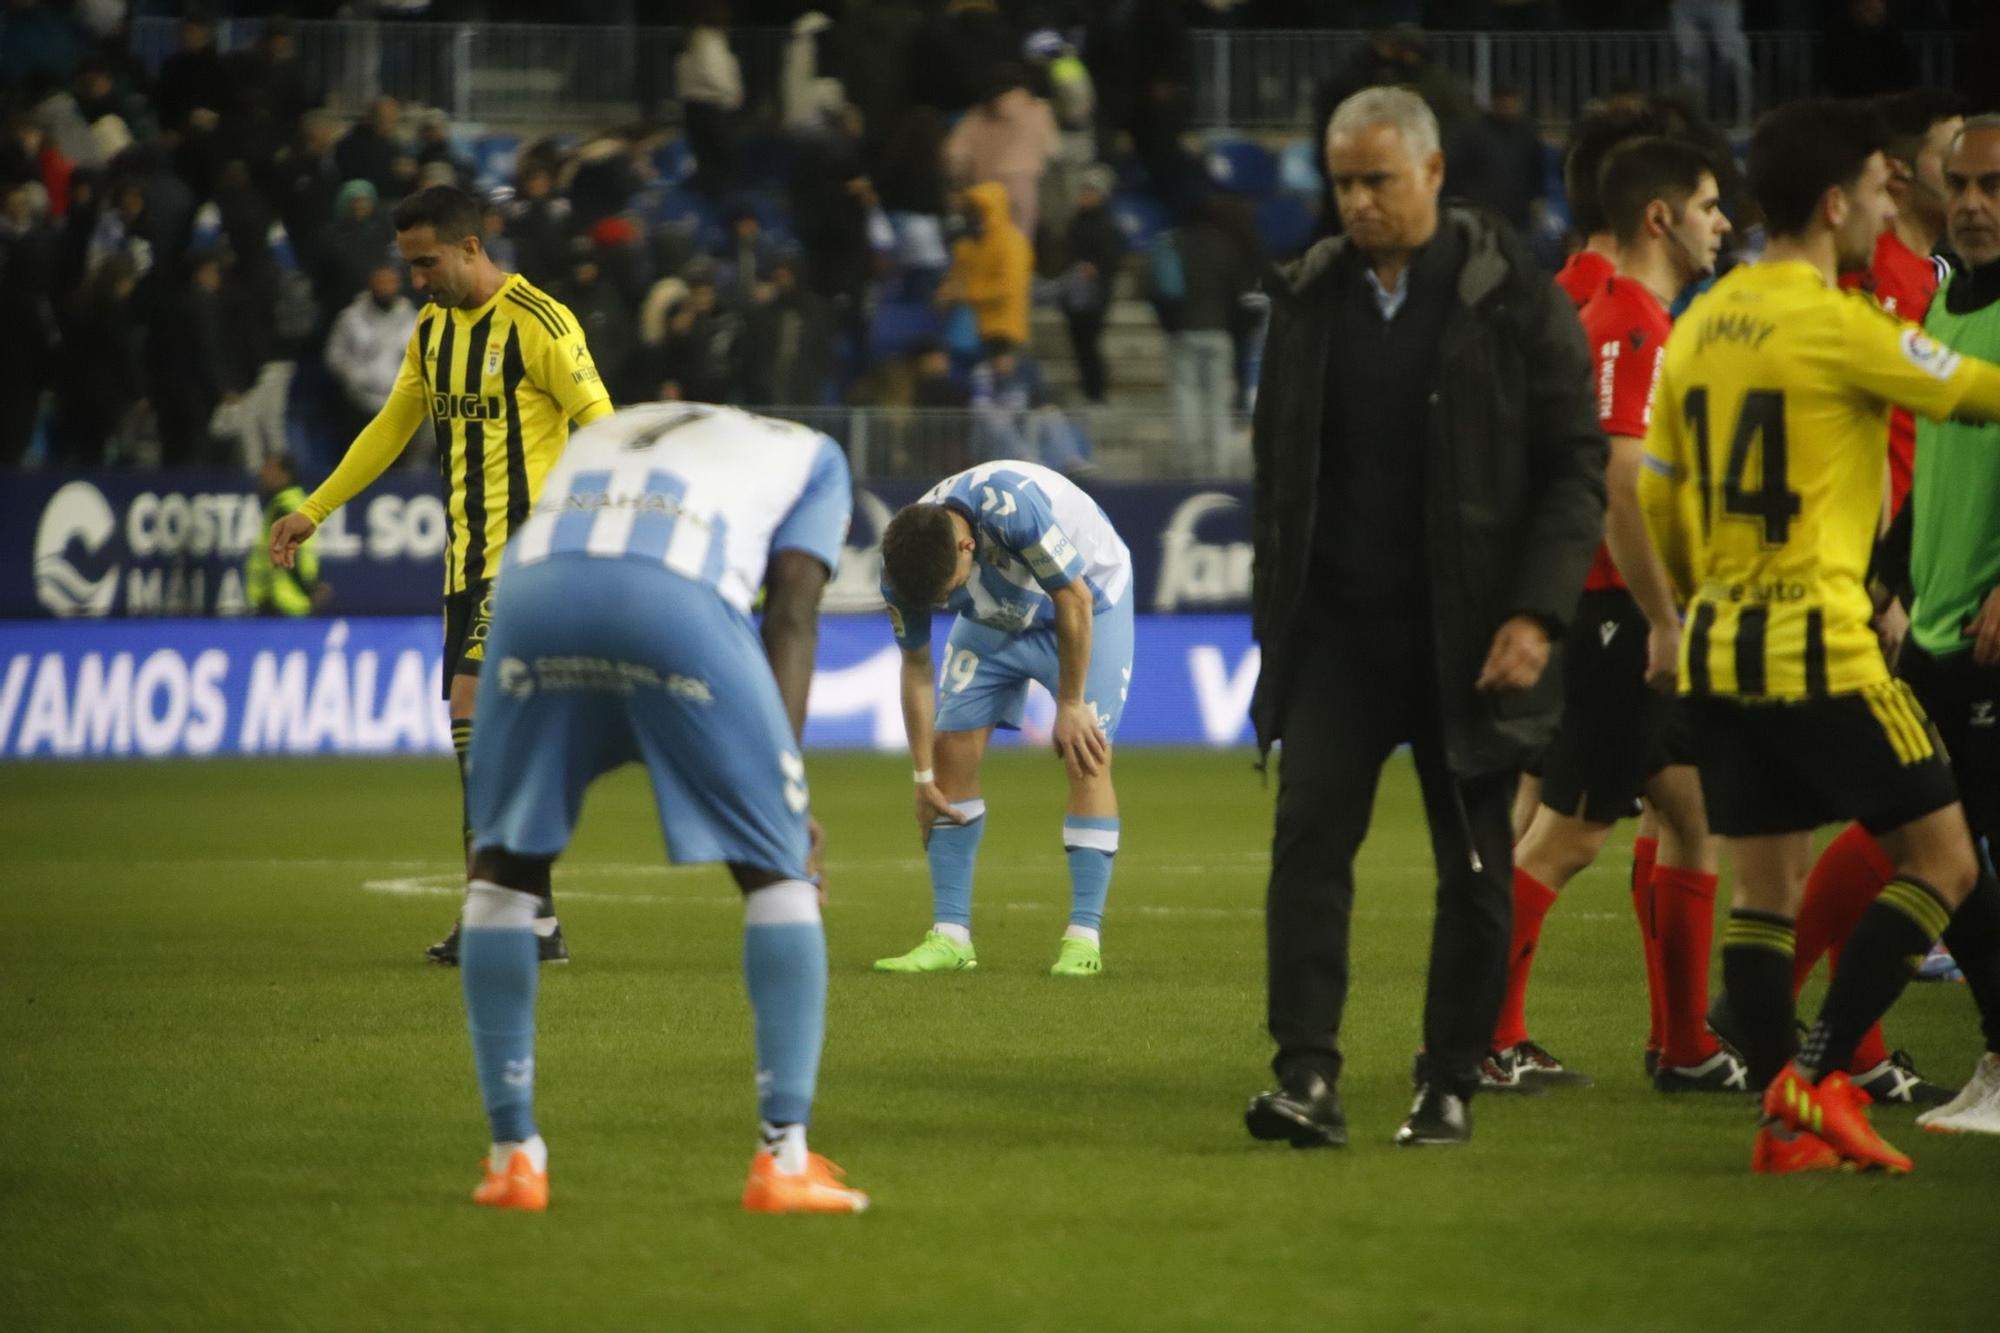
[
  {"x": 1765, "y": 462},
  {"x": 501, "y": 384}
]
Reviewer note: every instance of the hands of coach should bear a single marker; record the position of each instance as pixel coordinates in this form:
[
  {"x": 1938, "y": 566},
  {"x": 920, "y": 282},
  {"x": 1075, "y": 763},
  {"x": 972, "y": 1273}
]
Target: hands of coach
[
  {"x": 1519, "y": 655},
  {"x": 1984, "y": 631},
  {"x": 287, "y": 535}
]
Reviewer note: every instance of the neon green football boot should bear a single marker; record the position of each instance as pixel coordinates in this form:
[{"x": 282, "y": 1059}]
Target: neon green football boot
[
  {"x": 1077, "y": 958},
  {"x": 938, "y": 953}
]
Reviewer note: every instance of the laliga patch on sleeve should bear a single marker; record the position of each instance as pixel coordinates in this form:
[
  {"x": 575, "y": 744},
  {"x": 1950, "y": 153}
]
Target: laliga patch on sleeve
[
  {"x": 1051, "y": 553},
  {"x": 1929, "y": 355}
]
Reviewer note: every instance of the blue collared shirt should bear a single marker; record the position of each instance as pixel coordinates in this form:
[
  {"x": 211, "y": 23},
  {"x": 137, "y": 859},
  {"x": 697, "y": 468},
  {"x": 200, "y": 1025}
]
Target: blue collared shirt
[{"x": 1390, "y": 299}]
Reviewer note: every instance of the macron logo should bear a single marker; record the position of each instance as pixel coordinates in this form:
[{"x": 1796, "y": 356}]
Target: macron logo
[{"x": 1607, "y": 631}]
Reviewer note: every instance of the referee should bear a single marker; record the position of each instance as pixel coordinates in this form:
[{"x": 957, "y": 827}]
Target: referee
[
  {"x": 1429, "y": 492},
  {"x": 501, "y": 369}
]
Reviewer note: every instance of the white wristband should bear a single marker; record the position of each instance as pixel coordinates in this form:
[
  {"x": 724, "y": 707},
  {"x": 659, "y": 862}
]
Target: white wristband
[{"x": 924, "y": 777}]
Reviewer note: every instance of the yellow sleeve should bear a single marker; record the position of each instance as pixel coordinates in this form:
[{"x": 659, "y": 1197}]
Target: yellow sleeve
[
  {"x": 380, "y": 440},
  {"x": 563, "y": 369},
  {"x": 1664, "y": 478},
  {"x": 1901, "y": 364}
]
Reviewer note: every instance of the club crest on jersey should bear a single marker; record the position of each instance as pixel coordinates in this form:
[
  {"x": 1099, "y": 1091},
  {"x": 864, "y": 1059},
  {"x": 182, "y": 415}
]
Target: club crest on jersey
[
  {"x": 1929, "y": 355},
  {"x": 493, "y": 360}
]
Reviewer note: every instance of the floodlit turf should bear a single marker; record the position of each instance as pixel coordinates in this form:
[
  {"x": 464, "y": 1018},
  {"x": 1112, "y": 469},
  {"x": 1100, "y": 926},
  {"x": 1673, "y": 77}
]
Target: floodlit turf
[{"x": 233, "y": 1097}]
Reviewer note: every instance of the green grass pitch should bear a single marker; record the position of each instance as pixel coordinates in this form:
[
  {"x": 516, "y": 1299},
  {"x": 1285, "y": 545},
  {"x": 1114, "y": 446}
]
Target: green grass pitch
[{"x": 233, "y": 1097}]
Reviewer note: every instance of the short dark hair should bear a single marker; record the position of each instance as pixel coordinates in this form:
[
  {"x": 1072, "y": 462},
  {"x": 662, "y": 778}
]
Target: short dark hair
[
  {"x": 920, "y": 553},
  {"x": 1638, "y": 171},
  {"x": 446, "y": 209},
  {"x": 1799, "y": 152},
  {"x": 1907, "y": 118},
  {"x": 1591, "y": 143}
]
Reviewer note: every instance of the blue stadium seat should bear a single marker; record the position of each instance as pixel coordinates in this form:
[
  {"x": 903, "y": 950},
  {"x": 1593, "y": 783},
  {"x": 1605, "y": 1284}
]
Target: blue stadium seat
[
  {"x": 1285, "y": 224},
  {"x": 1298, "y": 168},
  {"x": 688, "y": 212},
  {"x": 897, "y": 324},
  {"x": 493, "y": 159},
  {"x": 763, "y": 161},
  {"x": 1139, "y": 216},
  {"x": 1240, "y": 166},
  {"x": 673, "y": 161}
]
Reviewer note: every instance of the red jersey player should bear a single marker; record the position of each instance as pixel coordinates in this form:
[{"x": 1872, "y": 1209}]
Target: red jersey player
[
  {"x": 1617, "y": 740},
  {"x": 1584, "y": 274}
]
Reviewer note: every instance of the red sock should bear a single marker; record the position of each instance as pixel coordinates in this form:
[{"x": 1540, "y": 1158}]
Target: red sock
[
  {"x": 1532, "y": 901},
  {"x": 1845, "y": 880},
  {"x": 1684, "y": 914},
  {"x": 1644, "y": 852}
]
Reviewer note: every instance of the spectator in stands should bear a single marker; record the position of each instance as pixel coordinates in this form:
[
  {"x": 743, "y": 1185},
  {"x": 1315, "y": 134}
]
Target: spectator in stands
[
  {"x": 191, "y": 91},
  {"x": 100, "y": 93},
  {"x": 1867, "y": 51},
  {"x": 1200, "y": 275},
  {"x": 810, "y": 83},
  {"x": 366, "y": 346},
  {"x": 992, "y": 266},
  {"x": 1012, "y": 416},
  {"x": 27, "y": 316},
  {"x": 601, "y": 312},
  {"x": 354, "y": 243},
  {"x": 1696, "y": 23},
  {"x": 831, "y": 199},
  {"x": 710, "y": 83},
  {"x": 196, "y": 365},
  {"x": 1142, "y": 56},
  {"x": 434, "y": 148},
  {"x": 697, "y": 360},
  {"x": 539, "y": 221},
  {"x": 956, "y": 52},
  {"x": 1060, "y": 76},
  {"x": 746, "y": 259},
  {"x": 624, "y": 260},
  {"x": 1093, "y": 249},
  {"x": 27, "y": 157},
  {"x": 1009, "y": 137},
  {"x": 303, "y": 184},
  {"x": 375, "y": 151},
  {"x": 1498, "y": 161},
  {"x": 788, "y": 341},
  {"x": 605, "y": 174},
  {"x": 937, "y": 441},
  {"x": 493, "y": 235},
  {"x": 268, "y": 92},
  {"x": 909, "y": 184},
  {"x": 38, "y": 40},
  {"x": 100, "y": 373}
]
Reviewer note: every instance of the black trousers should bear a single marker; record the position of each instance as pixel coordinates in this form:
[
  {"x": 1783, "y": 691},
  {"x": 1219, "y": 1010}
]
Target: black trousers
[
  {"x": 1086, "y": 330},
  {"x": 1360, "y": 689}
]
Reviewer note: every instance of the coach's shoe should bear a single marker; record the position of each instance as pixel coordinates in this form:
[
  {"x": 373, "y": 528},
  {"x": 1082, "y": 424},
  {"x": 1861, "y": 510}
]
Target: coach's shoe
[
  {"x": 550, "y": 948},
  {"x": 519, "y": 1186},
  {"x": 1438, "y": 1119},
  {"x": 1077, "y": 958},
  {"x": 1722, "y": 1072},
  {"x": 1304, "y": 1111},
  {"x": 1535, "y": 1066},
  {"x": 1976, "y": 1108},
  {"x": 938, "y": 953},
  {"x": 1783, "y": 1151},
  {"x": 1896, "y": 1082},
  {"x": 820, "y": 1188},
  {"x": 445, "y": 952},
  {"x": 1835, "y": 1110},
  {"x": 1652, "y": 1061},
  {"x": 1499, "y": 1071}
]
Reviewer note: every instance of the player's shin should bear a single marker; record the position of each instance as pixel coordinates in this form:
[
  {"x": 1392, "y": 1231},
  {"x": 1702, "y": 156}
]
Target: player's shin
[
  {"x": 1881, "y": 956},
  {"x": 1757, "y": 977},
  {"x": 784, "y": 969},
  {"x": 1974, "y": 940},
  {"x": 1684, "y": 916},
  {"x": 953, "y": 851},
  {"x": 497, "y": 962},
  {"x": 1090, "y": 844}
]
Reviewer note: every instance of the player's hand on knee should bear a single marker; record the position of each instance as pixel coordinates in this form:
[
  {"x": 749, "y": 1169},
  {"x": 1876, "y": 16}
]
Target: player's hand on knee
[
  {"x": 933, "y": 805},
  {"x": 1079, "y": 740},
  {"x": 287, "y": 535}
]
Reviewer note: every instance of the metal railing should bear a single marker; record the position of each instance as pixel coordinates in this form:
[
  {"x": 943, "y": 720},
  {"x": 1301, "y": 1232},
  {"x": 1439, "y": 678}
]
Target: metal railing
[{"x": 559, "y": 75}]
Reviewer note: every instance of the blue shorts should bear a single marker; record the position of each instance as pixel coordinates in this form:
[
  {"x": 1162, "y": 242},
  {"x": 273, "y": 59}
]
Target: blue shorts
[
  {"x": 986, "y": 671},
  {"x": 593, "y": 663}
]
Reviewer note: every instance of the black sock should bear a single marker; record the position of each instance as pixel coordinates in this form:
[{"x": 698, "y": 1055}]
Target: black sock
[
  {"x": 461, "y": 742},
  {"x": 1974, "y": 940},
  {"x": 1757, "y": 950},
  {"x": 1886, "y": 948}
]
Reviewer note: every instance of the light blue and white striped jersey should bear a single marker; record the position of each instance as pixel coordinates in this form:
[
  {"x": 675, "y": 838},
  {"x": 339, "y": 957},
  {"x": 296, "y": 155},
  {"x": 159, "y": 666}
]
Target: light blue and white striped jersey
[
  {"x": 1035, "y": 532},
  {"x": 709, "y": 492}
]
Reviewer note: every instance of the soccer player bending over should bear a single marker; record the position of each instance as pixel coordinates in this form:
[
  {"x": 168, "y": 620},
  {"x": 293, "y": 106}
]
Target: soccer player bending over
[
  {"x": 622, "y": 633},
  {"x": 1765, "y": 461},
  {"x": 1042, "y": 589},
  {"x": 1619, "y": 737},
  {"x": 501, "y": 368}
]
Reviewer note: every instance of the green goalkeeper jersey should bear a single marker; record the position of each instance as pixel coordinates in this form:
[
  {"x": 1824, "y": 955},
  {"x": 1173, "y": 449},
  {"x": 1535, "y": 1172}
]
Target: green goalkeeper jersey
[{"x": 1955, "y": 534}]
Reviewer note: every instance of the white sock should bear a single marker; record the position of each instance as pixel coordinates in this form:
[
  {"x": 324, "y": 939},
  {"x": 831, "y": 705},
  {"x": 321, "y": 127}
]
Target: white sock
[
  {"x": 1085, "y": 933},
  {"x": 957, "y": 934},
  {"x": 788, "y": 1146},
  {"x": 545, "y": 926},
  {"x": 538, "y": 1154}
]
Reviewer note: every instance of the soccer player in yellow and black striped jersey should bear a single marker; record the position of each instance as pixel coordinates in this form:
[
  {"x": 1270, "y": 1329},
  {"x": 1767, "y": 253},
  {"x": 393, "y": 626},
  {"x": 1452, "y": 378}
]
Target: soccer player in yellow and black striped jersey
[
  {"x": 501, "y": 369},
  {"x": 1765, "y": 465}
]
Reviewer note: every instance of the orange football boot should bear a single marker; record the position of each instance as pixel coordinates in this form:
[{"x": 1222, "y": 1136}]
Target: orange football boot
[
  {"x": 817, "y": 1189},
  {"x": 520, "y": 1186},
  {"x": 1782, "y": 1151},
  {"x": 1836, "y": 1111}
]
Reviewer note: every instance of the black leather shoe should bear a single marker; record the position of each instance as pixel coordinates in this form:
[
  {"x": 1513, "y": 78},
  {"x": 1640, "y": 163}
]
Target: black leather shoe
[
  {"x": 1439, "y": 1119},
  {"x": 549, "y": 948},
  {"x": 1304, "y": 1112},
  {"x": 445, "y": 952}
]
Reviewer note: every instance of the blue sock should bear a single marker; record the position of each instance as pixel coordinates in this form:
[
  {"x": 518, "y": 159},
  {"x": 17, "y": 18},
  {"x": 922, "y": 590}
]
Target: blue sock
[
  {"x": 953, "y": 849},
  {"x": 497, "y": 958},
  {"x": 784, "y": 967},
  {"x": 1091, "y": 842}
]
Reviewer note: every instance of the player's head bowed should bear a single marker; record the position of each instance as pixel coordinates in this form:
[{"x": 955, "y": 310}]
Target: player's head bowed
[{"x": 924, "y": 554}]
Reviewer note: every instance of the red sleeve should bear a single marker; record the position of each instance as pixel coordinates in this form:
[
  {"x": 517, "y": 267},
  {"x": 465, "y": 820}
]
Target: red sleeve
[{"x": 1627, "y": 369}]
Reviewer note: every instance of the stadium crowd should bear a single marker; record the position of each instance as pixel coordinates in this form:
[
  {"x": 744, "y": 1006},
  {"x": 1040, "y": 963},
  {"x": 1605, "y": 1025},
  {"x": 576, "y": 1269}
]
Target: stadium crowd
[{"x": 197, "y": 267}]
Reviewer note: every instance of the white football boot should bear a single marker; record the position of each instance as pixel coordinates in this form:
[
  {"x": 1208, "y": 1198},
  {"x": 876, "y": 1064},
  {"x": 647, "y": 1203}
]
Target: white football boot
[{"x": 1976, "y": 1109}]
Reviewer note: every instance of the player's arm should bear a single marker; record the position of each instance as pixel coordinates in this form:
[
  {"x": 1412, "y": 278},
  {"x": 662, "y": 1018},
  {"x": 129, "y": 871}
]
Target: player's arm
[
  {"x": 366, "y": 459},
  {"x": 564, "y": 370},
  {"x": 1077, "y": 737},
  {"x": 1898, "y": 363},
  {"x": 912, "y": 627},
  {"x": 805, "y": 550},
  {"x": 1638, "y": 564},
  {"x": 1663, "y": 476}
]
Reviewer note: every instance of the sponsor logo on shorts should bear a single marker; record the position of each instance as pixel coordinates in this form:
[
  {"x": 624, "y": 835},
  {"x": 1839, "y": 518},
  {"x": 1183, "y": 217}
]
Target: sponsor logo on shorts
[
  {"x": 517, "y": 679},
  {"x": 1982, "y": 712},
  {"x": 600, "y": 675}
]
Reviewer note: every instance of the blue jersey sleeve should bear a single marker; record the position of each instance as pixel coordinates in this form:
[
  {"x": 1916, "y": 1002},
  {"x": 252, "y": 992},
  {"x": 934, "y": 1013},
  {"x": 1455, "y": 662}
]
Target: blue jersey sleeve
[
  {"x": 911, "y": 624},
  {"x": 1021, "y": 517},
  {"x": 817, "y": 523}
]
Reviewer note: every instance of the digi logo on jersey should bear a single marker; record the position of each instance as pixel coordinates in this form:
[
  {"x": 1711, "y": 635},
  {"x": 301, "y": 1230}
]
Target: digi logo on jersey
[{"x": 468, "y": 407}]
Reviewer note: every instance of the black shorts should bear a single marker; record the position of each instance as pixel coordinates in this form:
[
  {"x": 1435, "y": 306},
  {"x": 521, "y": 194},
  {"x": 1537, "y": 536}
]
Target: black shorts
[
  {"x": 1616, "y": 731},
  {"x": 1789, "y": 767},
  {"x": 1963, "y": 699},
  {"x": 468, "y": 619}
]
